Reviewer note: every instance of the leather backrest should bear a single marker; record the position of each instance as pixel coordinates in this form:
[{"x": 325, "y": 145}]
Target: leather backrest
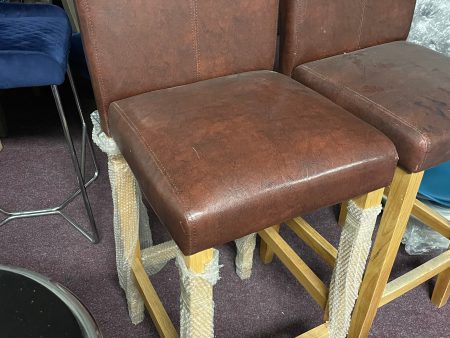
[
  {"x": 138, "y": 46},
  {"x": 316, "y": 29}
]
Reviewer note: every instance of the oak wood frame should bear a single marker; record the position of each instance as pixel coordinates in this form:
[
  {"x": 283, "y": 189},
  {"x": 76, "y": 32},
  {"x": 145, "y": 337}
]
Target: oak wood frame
[
  {"x": 375, "y": 288},
  {"x": 375, "y": 291},
  {"x": 272, "y": 243},
  {"x": 155, "y": 308}
]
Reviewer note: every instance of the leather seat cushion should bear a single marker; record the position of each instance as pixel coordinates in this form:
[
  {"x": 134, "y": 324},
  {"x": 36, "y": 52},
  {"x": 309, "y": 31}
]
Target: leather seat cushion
[
  {"x": 400, "y": 88},
  {"x": 222, "y": 158},
  {"x": 34, "y": 44}
]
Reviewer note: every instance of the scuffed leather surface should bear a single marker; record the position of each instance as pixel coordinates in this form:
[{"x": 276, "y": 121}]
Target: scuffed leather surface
[
  {"x": 133, "y": 47},
  {"x": 222, "y": 158},
  {"x": 400, "y": 88},
  {"x": 316, "y": 29},
  {"x": 34, "y": 45}
]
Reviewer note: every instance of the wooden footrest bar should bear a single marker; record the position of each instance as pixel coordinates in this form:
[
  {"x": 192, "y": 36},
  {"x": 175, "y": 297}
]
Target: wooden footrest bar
[
  {"x": 428, "y": 216},
  {"x": 301, "y": 271},
  {"x": 314, "y": 240},
  {"x": 415, "y": 277},
  {"x": 431, "y": 218},
  {"x": 152, "y": 302}
]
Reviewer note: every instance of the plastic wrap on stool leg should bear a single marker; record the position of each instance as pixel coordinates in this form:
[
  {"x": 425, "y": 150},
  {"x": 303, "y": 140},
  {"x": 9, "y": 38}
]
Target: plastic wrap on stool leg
[
  {"x": 244, "y": 258},
  {"x": 354, "y": 246},
  {"x": 126, "y": 200},
  {"x": 196, "y": 298},
  {"x": 157, "y": 256},
  {"x": 126, "y": 230},
  {"x": 109, "y": 147}
]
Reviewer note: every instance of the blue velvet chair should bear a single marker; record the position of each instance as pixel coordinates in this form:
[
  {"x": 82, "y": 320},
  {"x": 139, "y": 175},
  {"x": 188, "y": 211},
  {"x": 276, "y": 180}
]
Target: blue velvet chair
[
  {"x": 436, "y": 185},
  {"x": 34, "y": 48}
]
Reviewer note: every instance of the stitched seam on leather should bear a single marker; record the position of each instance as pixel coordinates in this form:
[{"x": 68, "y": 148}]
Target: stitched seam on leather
[
  {"x": 361, "y": 25},
  {"x": 159, "y": 165},
  {"x": 194, "y": 18},
  {"x": 297, "y": 11},
  {"x": 194, "y": 24},
  {"x": 383, "y": 109},
  {"x": 300, "y": 12},
  {"x": 96, "y": 55},
  {"x": 425, "y": 157}
]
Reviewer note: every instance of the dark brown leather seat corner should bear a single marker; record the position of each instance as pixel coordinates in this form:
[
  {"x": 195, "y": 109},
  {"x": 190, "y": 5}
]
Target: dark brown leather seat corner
[
  {"x": 400, "y": 88},
  {"x": 211, "y": 155}
]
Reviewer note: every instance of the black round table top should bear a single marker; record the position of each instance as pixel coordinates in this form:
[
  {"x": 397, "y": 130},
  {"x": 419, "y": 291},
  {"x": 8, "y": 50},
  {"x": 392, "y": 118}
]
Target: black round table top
[{"x": 32, "y": 306}]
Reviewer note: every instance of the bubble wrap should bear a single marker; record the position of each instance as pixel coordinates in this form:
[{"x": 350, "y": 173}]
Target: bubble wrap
[
  {"x": 420, "y": 239},
  {"x": 431, "y": 25},
  {"x": 196, "y": 298},
  {"x": 126, "y": 230},
  {"x": 130, "y": 218},
  {"x": 157, "y": 256},
  {"x": 354, "y": 246},
  {"x": 244, "y": 259}
]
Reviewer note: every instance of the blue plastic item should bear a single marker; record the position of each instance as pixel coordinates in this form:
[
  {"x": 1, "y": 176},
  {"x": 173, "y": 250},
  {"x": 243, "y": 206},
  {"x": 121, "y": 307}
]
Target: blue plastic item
[
  {"x": 34, "y": 45},
  {"x": 436, "y": 185}
]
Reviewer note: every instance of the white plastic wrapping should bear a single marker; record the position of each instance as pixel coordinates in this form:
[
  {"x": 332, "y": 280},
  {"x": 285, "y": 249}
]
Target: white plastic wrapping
[
  {"x": 431, "y": 25},
  {"x": 245, "y": 247},
  {"x": 127, "y": 203},
  {"x": 420, "y": 239},
  {"x": 156, "y": 257},
  {"x": 354, "y": 246},
  {"x": 196, "y": 298}
]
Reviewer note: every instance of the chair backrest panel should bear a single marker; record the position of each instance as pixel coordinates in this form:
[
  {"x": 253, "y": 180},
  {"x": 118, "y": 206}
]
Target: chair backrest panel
[
  {"x": 316, "y": 29},
  {"x": 138, "y": 46}
]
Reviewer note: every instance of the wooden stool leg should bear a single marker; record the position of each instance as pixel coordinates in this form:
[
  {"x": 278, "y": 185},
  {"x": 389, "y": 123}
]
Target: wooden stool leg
[
  {"x": 159, "y": 316},
  {"x": 441, "y": 290},
  {"x": 197, "y": 278},
  {"x": 354, "y": 248},
  {"x": 440, "y": 224},
  {"x": 343, "y": 213},
  {"x": 265, "y": 252},
  {"x": 402, "y": 195}
]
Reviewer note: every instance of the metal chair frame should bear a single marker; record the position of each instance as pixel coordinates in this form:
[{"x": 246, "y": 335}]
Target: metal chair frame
[{"x": 83, "y": 184}]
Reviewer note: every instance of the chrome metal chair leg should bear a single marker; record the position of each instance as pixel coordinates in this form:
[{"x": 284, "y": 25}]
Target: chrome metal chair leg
[
  {"x": 85, "y": 138},
  {"x": 79, "y": 170},
  {"x": 94, "y": 237}
]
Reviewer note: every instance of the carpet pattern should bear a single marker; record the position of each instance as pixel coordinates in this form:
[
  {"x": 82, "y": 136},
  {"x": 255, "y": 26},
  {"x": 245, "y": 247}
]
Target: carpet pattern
[{"x": 35, "y": 171}]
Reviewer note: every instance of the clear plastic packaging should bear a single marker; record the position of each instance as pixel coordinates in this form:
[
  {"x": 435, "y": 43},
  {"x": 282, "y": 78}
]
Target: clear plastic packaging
[
  {"x": 430, "y": 27},
  {"x": 420, "y": 239}
]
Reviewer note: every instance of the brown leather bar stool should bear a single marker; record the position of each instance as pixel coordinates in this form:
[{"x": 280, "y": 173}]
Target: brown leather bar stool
[
  {"x": 220, "y": 146},
  {"x": 353, "y": 52}
]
